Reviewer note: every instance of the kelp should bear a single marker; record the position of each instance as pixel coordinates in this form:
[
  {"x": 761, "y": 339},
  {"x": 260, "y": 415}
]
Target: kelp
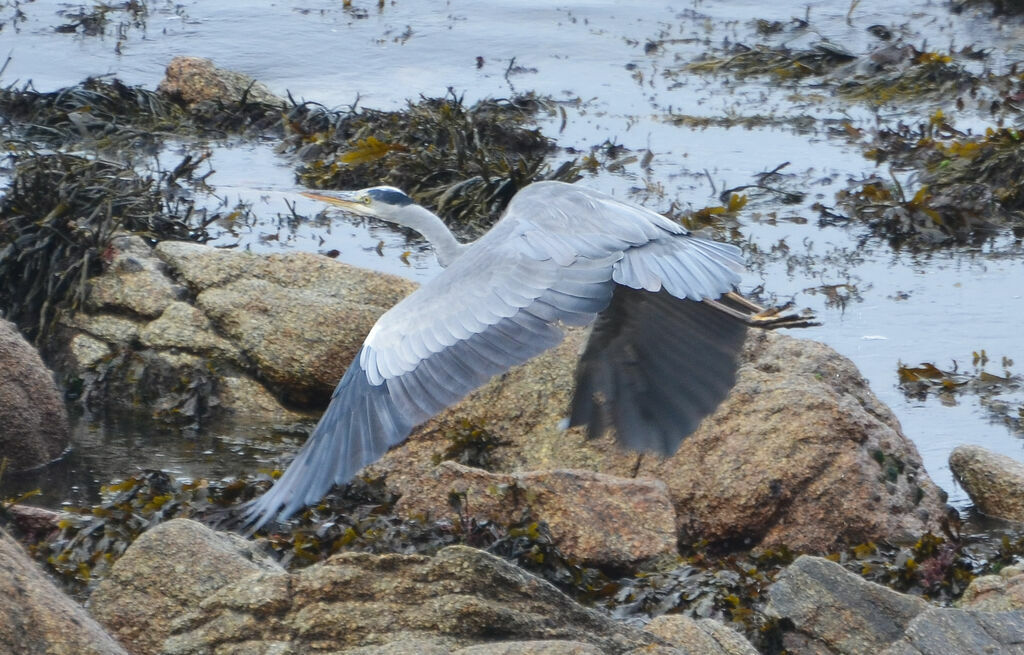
[
  {"x": 107, "y": 113},
  {"x": 776, "y": 61},
  {"x": 463, "y": 162},
  {"x": 59, "y": 215},
  {"x": 999, "y": 394}
]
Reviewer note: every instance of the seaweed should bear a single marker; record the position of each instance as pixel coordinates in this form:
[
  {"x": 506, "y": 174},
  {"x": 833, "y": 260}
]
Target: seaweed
[
  {"x": 108, "y": 114},
  {"x": 464, "y": 163},
  {"x": 1000, "y": 395},
  {"x": 57, "y": 220}
]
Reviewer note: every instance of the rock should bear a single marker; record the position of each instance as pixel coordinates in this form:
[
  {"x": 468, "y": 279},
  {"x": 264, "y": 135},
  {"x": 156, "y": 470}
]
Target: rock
[
  {"x": 167, "y": 571},
  {"x": 703, "y": 636},
  {"x": 834, "y": 611},
  {"x": 300, "y": 318},
  {"x": 195, "y": 79},
  {"x": 291, "y": 322},
  {"x": 181, "y": 588},
  {"x": 595, "y": 518},
  {"x": 134, "y": 282},
  {"x": 38, "y": 619},
  {"x": 994, "y": 482},
  {"x": 291, "y": 334},
  {"x": 32, "y": 524},
  {"x": 185, "y": 327},
  {"x": 939, "y": 631},
  {"x": 85, "y": 353},
  {"x": 995, "y": 593},
  {"x": 203, "y": 267},
  {"x": 801, "y": 453},
  {"x": 33, "y": 422}
]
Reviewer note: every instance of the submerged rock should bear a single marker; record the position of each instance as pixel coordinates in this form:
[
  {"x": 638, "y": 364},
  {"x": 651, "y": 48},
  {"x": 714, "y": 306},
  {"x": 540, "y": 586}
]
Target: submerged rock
[
  {"x": 37, "y": 618},
  {"x": 833, "y": 611},
  {"x": 594, "y": 518},
  {"x": 33, "y": 421},
  {"x": 994, "y": 482},
  {"x": 214, "y": 600},
  {"x": 196, "y": 79},
  {"x": 801, "y": 453}
]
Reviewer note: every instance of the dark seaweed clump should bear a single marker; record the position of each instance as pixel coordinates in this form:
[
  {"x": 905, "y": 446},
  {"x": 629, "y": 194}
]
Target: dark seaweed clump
[
  {"x": 57, "y": 220},
  {"x": 465, "y": 163},
  {"x": 58, "y": 217}
]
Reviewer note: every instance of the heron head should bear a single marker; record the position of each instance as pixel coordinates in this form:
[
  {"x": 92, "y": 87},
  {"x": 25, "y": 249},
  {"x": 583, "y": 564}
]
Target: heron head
[{"x": 384, "y": 202}]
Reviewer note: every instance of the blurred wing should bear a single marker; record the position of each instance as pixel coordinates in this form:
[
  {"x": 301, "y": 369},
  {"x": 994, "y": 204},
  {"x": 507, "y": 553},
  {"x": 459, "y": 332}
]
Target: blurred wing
[{"x": 654, "y": 367}]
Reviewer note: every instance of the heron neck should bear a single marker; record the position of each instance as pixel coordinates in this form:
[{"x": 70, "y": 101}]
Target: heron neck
[{"x": 433, "y": 229}]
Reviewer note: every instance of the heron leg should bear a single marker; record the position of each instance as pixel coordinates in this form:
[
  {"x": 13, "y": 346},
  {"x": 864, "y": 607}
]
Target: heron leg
[{"x": 754, "y": 315}]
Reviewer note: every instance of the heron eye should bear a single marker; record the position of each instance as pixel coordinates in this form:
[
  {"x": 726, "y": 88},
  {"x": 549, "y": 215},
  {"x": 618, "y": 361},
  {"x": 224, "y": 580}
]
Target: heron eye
[{"x": 366, "y": 200}]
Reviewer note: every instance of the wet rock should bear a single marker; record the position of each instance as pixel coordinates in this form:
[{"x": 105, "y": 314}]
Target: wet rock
[
  {"x": 801, "y": 452},
  {"x": 300, "y": 318},
  {"x": 135, "y": 281},
  {"x": 33, "y": 421},
  {"x": 834, "y": 611},
  {"x": 84, "y": 353},
  {"x": 166, "y": 572},
  {"x": 704, "y": 636},
  {"x": 183, "y": 326},
  {"x": 995, "y": 593},
  {"x": 994, "y": 482},
  {"x": 196, "y": 79},
  {"x": 37, "y": 618},
  {"x": 182, "y": 588},
  {"x": 595, "y": 518}
]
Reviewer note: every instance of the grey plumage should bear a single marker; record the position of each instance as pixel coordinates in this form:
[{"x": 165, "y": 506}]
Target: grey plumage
[{"x": 657, "y": 362}]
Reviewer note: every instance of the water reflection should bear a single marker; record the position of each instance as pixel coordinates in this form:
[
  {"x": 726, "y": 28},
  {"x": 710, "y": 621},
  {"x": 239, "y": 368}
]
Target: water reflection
[{"x": 114, "y": 446}]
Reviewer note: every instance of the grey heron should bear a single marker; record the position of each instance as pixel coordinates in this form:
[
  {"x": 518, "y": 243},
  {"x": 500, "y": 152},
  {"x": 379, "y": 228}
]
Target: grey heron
[{"x": 661, "y": 355}]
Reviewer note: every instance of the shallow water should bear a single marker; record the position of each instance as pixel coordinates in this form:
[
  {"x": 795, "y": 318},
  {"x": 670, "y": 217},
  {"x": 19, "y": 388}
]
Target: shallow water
[{"x": 607, "y": 63}]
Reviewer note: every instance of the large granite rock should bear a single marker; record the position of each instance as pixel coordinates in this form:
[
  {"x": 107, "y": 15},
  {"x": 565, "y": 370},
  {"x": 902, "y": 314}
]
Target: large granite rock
[
  {"x": 186, "y": 325},
  {"x": 801, "y": 452},
  {"x": 182, "y": 588},
  {"x": 36, "y": 618},
  {"x": 594, "y": 518},
  {"x": 167, "y": 571},
  {"x": 994, "y": 482},
  {"x": 33, "y": 421}
]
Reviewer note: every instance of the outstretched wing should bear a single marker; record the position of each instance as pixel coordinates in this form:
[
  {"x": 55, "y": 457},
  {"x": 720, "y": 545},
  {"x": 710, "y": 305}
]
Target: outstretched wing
[{"x": 551, "y": 259}]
